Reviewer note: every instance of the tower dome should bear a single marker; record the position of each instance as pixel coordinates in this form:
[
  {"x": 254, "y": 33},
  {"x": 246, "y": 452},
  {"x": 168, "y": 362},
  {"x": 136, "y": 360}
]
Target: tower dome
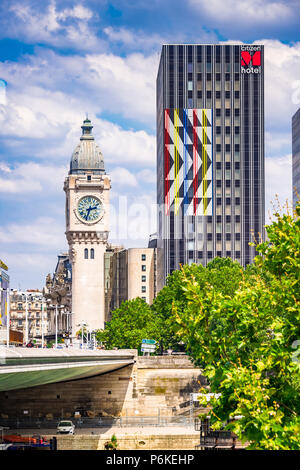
[{"x": 87, "y": 156}]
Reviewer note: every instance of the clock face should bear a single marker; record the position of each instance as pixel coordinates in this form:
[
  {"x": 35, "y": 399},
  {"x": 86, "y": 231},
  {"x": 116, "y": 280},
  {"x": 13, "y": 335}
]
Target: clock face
[{"x": 89, "y": 208}]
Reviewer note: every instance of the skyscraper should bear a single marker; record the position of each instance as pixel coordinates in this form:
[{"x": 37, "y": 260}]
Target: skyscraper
[
  {"x": 296, "y": 156},
  {"x": 210, "y": 153}
]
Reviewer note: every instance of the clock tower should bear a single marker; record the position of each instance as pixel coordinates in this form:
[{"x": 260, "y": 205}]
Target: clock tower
[{"x": 87, "y": 226}]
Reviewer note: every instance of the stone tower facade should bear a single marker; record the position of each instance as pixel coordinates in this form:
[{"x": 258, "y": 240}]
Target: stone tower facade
[{"x": 87, "y": 226}]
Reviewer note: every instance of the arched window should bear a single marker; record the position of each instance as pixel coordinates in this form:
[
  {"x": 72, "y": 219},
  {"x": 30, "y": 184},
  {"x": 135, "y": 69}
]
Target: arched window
[
  {"x": 92, "y": 253},
  {"x": 86, "y": 253}
]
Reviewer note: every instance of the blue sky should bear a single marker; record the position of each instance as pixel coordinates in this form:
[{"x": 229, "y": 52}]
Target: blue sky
[{"x": 61, "y": 59}]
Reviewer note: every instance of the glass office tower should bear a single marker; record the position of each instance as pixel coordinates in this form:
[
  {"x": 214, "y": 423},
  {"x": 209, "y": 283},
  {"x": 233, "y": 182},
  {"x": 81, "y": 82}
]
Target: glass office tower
[{"x": 210, "y": 153}]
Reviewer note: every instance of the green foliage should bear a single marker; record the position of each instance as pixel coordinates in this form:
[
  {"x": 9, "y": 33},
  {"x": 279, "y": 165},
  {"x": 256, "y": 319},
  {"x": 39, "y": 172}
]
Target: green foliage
[
  {"x": 222, "y": 275},
  {"x": 244, "y": 335},
  {"x": 130, "y": 323},
  {"x": 112, "y": 444}
]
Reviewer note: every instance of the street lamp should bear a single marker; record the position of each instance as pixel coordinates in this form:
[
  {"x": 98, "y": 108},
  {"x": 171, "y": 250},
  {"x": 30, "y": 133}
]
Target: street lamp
[
  {"x": 56, "y": 313},
  {"x": 26, "y": 317},
  {"x": 43, "y": 304},
  {"x": 68, "y": 322},
  {"x": 82, "y": 324}
]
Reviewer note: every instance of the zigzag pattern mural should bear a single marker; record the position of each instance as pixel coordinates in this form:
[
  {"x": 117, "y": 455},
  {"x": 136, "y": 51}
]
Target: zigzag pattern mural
[{"x": 188, "y": 161}]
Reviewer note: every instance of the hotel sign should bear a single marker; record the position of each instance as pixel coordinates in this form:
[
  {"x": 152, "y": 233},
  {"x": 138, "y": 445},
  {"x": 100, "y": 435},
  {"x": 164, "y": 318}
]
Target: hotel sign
[{"x": 250, "y": 59}]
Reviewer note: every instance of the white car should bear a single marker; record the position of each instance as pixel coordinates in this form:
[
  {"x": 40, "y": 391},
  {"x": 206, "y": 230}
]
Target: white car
[{"x": 65, "y": 427}]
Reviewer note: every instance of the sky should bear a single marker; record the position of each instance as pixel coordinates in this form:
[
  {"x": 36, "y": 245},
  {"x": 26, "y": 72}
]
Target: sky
[{"x": 62, "y": 59}]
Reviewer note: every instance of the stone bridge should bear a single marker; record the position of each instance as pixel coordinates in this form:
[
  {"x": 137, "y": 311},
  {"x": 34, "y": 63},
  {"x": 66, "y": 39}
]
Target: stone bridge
[
  {"x": 96, "y": 383},
  {"x": 26, "y": 367}
]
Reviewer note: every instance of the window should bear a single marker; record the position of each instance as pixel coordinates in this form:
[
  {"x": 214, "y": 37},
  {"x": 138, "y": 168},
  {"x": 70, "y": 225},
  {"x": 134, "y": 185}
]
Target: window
[
  {"x": 86, "y": 253},
  {"x": 143, "y": 257},
  {"x": 143, "y": 289},
  {"x": 143, "y": 278},
  {"x": 92, "y": 253},
  {"x": 143, "y": 267},
  {"x": 89, "y": 178}
]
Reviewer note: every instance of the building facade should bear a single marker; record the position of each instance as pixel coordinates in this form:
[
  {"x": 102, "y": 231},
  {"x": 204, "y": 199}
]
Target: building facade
[
  {"x": 296, "y": 156},
  {"x": 87, "y": 226},
  {"x": 132, "y": 274},
  {"x": 210, "y": 154},
  {"x": 28, "y": 314},
  {"x": 58, "y": 295}
]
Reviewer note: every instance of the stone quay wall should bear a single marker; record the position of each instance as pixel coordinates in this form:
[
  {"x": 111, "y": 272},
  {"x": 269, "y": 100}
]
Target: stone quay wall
[{"x": 152, "y": 386}]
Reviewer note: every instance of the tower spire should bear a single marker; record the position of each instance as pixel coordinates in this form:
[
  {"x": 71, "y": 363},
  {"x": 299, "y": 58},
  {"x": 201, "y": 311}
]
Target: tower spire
[{"x": 87, "y": 129}]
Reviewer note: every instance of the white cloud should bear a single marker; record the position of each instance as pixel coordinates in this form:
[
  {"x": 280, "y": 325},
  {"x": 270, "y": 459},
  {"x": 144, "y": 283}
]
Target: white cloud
[
  {"x": 129, "y": 83},
  {"x": 147, "y": 176},
  {"x": 43, "y": 117},
  {"x": 282, "y": 70},
  {"x": 28, "y": 269},
  {"x": 123, "y": 177},
  {"x": 278, "y": 174},
  {"x": 246, "y": 11},
  {"x": 119, "y": 146},
  {"x": 16, "y": 261},
  {"x": 31, "y": 177},
  {"x": 67, "y": 27},
  {"x": 134, "y": 39},
  {"x": 44, "y": 231},
  {"x": 278, "y": 141}
]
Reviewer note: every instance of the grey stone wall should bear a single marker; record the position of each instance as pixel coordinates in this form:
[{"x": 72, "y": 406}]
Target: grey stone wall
[{"x": 152, "y": 386}]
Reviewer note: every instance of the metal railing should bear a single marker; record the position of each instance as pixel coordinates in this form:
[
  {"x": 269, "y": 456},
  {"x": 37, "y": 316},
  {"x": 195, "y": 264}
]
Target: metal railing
[{"x": 214, "y": 440}]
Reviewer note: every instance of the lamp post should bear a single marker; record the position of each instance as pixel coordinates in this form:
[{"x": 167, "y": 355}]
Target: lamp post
[
  {"x": 8, "y": 318},
  {"x": 56, "y": 319},
  {"x": 43, "y": 299},
  {"x": 68, "y": 323},
  {"x": 26, "y": 318},
  {"x": 56, "y": 326},
  {"x": 82, "y": 324}
]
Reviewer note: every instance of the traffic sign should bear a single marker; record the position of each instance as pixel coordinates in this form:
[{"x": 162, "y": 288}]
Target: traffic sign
[
  {"x": 148, "y": 349},
  {"x": 148, "y": 341}
]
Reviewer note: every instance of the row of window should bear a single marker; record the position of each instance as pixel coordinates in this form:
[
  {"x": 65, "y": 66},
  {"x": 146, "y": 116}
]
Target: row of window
[
  {"x": 218, "y": 253},
  {"x": 86, "y": 253},
  {"x": 20, "y": 306},
  {"x": 92, "y": 255},
  {"x": 209, "y": 93}
]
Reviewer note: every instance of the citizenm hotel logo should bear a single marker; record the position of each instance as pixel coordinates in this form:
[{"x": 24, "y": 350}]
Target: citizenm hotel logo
[{"x": 250, "y": 59}]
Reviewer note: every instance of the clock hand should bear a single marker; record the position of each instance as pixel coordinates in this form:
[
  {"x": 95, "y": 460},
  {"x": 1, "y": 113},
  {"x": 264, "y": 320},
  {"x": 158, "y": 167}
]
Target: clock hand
[{"x": 88, "y": 213}]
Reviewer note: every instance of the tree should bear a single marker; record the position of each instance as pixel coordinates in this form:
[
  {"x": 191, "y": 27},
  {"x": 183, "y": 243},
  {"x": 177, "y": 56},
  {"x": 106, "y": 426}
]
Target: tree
[
  {"x": 246, "y": 342},
  {"x": 130, "y": 323},
  {"x": 221, "y": 274}
]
